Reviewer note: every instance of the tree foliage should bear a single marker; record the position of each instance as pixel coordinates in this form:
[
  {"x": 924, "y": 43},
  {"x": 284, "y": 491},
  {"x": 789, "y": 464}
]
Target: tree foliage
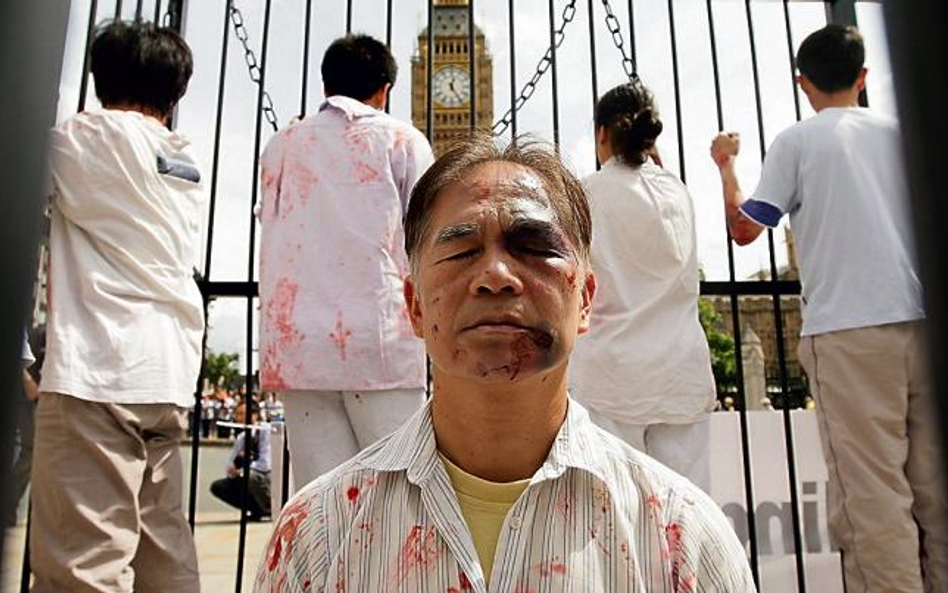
[
  {"x": 721, "y": 345},
  {"x": 222, "y": 369}
]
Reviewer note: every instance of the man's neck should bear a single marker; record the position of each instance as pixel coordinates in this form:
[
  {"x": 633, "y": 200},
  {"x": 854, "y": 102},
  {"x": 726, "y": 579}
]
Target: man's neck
[
  {"x": 499, "y": 433},
  {"x": 841, "y": 99}
]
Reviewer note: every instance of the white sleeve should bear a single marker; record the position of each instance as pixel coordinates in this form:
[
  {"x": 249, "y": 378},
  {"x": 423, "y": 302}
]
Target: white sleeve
[
  {"x": 411, "y": 164},
  {"x": 778, "y": 179}
]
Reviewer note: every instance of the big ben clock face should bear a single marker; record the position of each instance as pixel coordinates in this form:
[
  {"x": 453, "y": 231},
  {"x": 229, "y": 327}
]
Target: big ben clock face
[{"x": 452, "y": 87}]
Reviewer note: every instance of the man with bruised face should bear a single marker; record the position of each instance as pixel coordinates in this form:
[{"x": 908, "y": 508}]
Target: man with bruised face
[{"x": 501, "y": 482}]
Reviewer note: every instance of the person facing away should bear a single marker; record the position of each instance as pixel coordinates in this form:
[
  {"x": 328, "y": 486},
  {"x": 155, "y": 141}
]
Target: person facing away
[
  {"x": 501, "y": 482},
  {"x": 124, "y": 329},
  {"x": 336, "y": 343},
  {"x": 839, "y": 175},
  {"x": 231, "y": 488},
  {"x": 644, "y": 369}
]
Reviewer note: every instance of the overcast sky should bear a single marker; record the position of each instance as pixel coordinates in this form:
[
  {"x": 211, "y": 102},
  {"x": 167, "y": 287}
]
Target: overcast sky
[{"x": 204, "y": 28}]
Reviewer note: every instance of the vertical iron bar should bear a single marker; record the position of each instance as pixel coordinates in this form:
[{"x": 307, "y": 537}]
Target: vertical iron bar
[
  {"x": 138, "y": 11},
  {"x": 388, "y": 44},
  {"x": 632, "y": 53},
  {"x": 736, "y": 325},
  {"x": 118, "y": 10},
  {"x": 793, "y": 61},
  {"x": 90, "y": 32},
  {"x": 553, "y": 81},
  {"x": 249, "y": 382},
  {"x": 677, "y": 81},
  {"x": 25, "y": 566},
  {"x": 285, "y": 478},
  {"x": 304, "y": 84},
  {"x": 778, "y": 325},
  {"x": 513, "y": 69},
  {"x": 592, "y": 63},
  {"x": 157, "y": 13},
  {"x": 348, "y": 17},
  {"x": 429, "y": 72},
  {"x": 471, "y": 65}
]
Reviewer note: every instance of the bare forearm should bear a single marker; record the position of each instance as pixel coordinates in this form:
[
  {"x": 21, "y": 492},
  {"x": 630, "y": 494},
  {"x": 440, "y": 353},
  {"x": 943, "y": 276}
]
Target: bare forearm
[{"x": 743, "y": 230}]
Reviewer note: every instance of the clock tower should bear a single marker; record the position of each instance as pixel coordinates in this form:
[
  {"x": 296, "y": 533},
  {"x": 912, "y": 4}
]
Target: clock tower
[{"x": 451, "y": 79}]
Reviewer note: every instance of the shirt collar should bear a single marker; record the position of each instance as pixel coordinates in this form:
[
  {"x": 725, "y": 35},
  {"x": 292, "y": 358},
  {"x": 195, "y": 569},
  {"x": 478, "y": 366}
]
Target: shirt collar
[
  {"x": 350, "y": 108},
  {"x": 413, "y": 449}
]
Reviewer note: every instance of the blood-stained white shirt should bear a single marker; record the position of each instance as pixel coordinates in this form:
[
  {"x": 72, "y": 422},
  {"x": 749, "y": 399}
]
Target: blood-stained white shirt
[
  {"x": 125, "y": 316},
  {"x": 332, "y": 259},
  {"x": 645, "y": 358},
  {"x": 598, "y": 516}
]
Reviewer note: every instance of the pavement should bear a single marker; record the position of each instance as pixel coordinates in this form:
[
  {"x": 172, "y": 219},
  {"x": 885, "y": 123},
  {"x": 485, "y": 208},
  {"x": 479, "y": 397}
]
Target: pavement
[{"x": 216, "y": 534}]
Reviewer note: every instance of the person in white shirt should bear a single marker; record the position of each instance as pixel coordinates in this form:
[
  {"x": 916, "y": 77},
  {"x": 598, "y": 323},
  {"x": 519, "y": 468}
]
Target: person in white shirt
[
  {"x": 335, "y": 340},
  {"x": 644, "y": 368},
  {"x": 124, "y": 329},
  {"x": 839, "y": 175},
  {"x": 231, "y": 489},
  {"x": 501, "y": 483}
]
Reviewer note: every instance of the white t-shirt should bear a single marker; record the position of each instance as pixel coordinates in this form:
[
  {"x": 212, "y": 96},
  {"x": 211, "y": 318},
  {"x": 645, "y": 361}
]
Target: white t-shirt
[
  {"x": 125, "y": 315},
  {"x": 839, "y": 176},
  {"x": 332, "y": 256},
  {"x": 645, "y": 358}
]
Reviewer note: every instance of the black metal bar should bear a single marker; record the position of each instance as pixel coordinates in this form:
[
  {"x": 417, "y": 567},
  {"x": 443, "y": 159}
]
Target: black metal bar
[
  {"x": 778, "y": 321},
  {"x": 592, "y": 63},
  {"x": 429, "y": 73},
  {"x": 90, "y": 33},
  {"x": 25, "y": 570},
  {"x": 677, "y": 82},
  {"x": 285, "y": 478},
  {"x": 751, "y": 287},
  {"x": 216, "y": 158},
  {"x": 249, "y": 381},
  {"x": 728, "y": 288},
  {"x": 511, "y": 33},
  {"x": 793, "y": 60},
  {"x": 138, "y": 10},
  {"x": 388, "y": 44},
  {"x": 118, "y": 10},
  {"x": 348, "y": 17},
  {"x": 553, "y": 77},
  {"x": 307, "y": 33},
  {"x": 471, "y": 64},
  {"x": 632, "y": 53},
  {"x": 157, "y": 12}
]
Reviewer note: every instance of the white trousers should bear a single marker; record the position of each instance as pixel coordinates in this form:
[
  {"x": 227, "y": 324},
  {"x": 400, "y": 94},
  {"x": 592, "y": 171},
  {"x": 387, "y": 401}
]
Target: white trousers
[
  {"x": 684, "y": 448},
  {"x": 326, "y": 428}
]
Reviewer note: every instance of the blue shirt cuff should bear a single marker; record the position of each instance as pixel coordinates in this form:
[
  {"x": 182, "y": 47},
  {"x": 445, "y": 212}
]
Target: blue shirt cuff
[{"x": 761, "y": 212}]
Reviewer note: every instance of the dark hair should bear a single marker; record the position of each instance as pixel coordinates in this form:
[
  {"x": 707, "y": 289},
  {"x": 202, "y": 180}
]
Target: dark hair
[
  {"x": 140, "y": 65},
  {"x": 832, "y": 57},
  {"x": 629, "y": 114},
  {"x": 565, "y": 192},
  {"x": 357, "y": 66}
]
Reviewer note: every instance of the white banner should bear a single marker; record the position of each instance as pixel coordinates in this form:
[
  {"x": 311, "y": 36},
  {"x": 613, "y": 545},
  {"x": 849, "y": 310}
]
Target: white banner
[{"x": 772, "y": 508}]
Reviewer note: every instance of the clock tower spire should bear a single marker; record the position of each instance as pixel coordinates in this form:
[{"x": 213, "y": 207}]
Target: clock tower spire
[{"x": 451, "y": 80}]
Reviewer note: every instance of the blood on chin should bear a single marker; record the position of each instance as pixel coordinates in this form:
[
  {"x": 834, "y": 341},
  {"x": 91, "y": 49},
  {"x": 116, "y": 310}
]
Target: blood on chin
[{"x": 524, "y": 353}]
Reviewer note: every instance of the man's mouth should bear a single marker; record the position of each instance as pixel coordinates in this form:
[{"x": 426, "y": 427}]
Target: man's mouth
[{"x": 499, "y": 324}]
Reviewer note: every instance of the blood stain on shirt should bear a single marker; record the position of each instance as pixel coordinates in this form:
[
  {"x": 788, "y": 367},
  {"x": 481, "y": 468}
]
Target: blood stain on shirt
[
  {"x": 420, "y": 551},
  {"x": 352, "y": 494},
  {"x": 365, "y": 173},
  {"x": 341, "y": 335}
]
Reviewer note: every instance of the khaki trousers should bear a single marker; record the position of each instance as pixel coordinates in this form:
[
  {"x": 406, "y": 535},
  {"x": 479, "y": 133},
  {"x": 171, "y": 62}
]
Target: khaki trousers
[
  {"x": 887, "y": 502},
  {"x": 106, "y": 498}
]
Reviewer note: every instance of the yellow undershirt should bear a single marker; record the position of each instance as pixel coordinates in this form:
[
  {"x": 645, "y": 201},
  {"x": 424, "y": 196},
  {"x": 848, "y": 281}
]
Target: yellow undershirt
[{"x": 484, "y": 506}]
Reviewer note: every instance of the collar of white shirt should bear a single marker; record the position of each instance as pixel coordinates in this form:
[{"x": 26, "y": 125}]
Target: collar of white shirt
[
  {"x": 412, "y": 449},
  {"x": 350, "y": 108}
]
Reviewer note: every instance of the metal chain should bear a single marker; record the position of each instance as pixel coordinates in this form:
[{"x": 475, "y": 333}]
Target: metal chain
[
  {"x": 569, "y": 13},
  {"x": 612, "y": 23},
  {"x": 253, "y": 68}
]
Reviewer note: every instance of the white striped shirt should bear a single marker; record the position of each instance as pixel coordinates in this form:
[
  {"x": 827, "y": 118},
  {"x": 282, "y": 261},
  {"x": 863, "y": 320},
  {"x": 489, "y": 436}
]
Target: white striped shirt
[{"x": 597, "y": 516}]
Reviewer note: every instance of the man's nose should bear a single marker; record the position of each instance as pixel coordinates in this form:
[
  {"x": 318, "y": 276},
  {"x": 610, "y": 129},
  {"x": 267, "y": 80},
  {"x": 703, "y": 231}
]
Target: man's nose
[{"x": 496, "y": 275}]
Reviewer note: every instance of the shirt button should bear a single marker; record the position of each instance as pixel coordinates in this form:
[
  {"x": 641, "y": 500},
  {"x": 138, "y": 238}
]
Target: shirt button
[{"x": 516, "y": 522}]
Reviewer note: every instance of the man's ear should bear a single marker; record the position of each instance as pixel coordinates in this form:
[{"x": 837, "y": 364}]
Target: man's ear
[
  {"x": 589, "y": 292},
  {"x": 861, "y": 79},
  {"x": 413, "y": 302}
]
